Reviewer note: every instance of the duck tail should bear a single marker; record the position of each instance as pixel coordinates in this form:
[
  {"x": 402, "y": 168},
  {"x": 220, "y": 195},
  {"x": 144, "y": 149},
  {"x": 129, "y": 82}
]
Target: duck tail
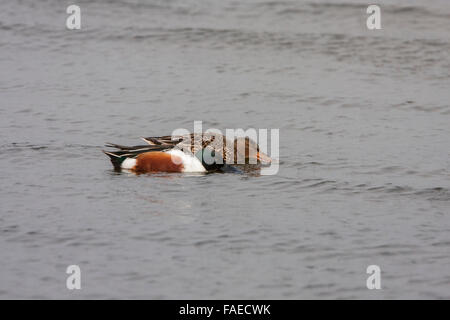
[{"x": 116, "y": 159}]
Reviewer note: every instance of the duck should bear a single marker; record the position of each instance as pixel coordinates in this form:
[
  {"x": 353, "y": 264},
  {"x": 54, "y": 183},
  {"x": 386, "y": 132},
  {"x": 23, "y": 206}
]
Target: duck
[{"x": 191, "y": 153}]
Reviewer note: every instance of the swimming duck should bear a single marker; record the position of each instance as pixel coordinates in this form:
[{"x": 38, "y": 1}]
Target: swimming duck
[{"x": 206, "y": 152}]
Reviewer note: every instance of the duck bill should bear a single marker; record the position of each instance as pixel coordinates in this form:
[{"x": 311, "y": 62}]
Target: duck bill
[{"x": 263, "y": 158}]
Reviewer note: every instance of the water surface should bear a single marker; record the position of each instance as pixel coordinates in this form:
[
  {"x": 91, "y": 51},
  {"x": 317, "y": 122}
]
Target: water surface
[{"x": 364, "y": 148}]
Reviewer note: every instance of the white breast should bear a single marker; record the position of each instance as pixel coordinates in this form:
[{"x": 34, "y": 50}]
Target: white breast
[{"x": 190, "y": 163}]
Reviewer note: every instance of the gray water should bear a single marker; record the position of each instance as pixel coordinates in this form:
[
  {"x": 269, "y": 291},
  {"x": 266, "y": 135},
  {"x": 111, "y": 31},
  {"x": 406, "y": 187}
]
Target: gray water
[{"x": 364, "y": 121}]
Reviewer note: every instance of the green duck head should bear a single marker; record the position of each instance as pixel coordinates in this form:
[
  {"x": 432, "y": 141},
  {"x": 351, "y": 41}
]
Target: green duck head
[{"x": 210, "y": 159}]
